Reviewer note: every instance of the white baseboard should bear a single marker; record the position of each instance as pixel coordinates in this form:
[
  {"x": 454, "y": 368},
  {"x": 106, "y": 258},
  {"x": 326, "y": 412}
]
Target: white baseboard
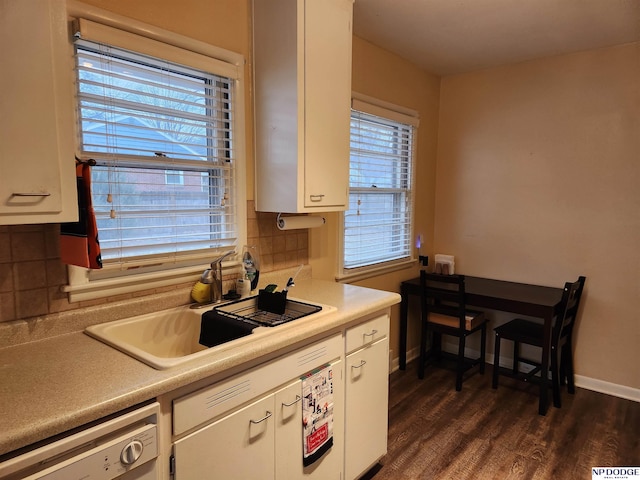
[
  {"x": 394, "y": 363},
  {"x": 608, "y": 388},
  {"x": 588, "y": 383}
]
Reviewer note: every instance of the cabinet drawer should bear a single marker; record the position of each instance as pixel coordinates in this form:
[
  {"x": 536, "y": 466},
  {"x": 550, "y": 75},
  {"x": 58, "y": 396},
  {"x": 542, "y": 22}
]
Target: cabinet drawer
[
  {"x": 367, "y": 332},
  {"x": 207, "y": 403},
  {"x": 239, "y": 445}
]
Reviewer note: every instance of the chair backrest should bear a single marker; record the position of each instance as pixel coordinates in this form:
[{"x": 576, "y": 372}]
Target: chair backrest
[
  {"x": 569, "y": 305},
  {"x": 443, "y": 294}
]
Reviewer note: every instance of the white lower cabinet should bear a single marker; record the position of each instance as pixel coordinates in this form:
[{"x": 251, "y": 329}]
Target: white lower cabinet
[
  {"x": 250, "y": 426},
  {"x": 367, "y": 396},
  {"x": 288, "y": 423},
  {"x": 238, "y": 446}
]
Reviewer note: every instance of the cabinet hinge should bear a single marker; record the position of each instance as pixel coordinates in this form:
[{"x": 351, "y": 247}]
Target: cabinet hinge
[{"x": 172, "y": 466}]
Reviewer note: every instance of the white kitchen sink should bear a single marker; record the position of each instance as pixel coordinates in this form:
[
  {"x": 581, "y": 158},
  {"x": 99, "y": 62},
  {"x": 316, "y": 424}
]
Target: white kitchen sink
[{"x": 171, "y": 337}]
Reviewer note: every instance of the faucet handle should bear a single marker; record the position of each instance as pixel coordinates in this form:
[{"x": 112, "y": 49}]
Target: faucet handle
[{"x": 207, "y": 276}]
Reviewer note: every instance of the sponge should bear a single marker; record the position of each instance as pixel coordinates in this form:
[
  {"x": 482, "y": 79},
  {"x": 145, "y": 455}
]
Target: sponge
[{"x": 201, "y": 292}]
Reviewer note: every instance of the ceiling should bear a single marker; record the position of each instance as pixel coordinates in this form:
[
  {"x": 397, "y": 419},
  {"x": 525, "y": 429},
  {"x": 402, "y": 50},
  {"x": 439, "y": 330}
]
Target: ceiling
[{"x": 453, "y": 36}]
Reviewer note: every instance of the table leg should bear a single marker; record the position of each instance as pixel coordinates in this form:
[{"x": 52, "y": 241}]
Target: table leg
[{"x": 402, "y": 355}]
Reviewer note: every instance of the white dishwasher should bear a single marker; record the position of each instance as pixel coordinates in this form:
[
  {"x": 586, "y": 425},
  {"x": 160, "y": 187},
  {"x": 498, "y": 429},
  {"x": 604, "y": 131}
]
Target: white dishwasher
[{"x": 124, "y": 447}]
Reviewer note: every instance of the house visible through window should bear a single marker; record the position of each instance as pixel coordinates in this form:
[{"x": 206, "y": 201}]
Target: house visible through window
[
  {"x": 378, "y": 224},
  {"x": 174, "y": 177}
]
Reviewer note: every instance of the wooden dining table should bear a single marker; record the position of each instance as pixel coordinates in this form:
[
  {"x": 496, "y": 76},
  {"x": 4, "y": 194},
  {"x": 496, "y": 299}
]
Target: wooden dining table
[{"x": 514, "y": 297}]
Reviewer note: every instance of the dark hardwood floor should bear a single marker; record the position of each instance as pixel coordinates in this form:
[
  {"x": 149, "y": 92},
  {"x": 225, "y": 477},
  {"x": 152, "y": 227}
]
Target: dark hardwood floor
[{"x": 481, "y": 433}]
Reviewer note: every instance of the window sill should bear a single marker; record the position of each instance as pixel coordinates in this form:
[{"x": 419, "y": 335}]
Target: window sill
[
  {"x": 80, "y": 289},
  {"x": 375, "y": 271}
]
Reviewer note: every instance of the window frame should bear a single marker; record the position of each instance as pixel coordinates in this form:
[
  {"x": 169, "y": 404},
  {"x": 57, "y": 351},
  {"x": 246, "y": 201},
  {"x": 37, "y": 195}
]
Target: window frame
[
  {"x": 394, "y": 113},
  {"x": 113, "y": 29}
]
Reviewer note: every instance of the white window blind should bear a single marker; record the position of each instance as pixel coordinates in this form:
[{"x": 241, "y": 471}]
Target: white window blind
[
  {"x": 378, "y": 224},
  {"x": 163, "y": 138}
]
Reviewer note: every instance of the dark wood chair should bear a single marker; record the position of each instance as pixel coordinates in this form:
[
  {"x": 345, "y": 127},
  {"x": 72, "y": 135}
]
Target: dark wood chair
[
  {"x": 521, "y": 331},
  {"x": 444, "y": 313}
]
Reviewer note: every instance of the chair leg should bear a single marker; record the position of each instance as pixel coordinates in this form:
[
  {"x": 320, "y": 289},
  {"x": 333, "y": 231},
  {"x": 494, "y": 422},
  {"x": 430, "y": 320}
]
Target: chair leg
[
  {"x": 555, "y": 376},
  {"x": 562, "y": 369},
  {"x": 567, "y": 361},
  {"x": 423, "y": 350},
  {"x": 460, "y": 366},
  {"x": 496, "y": 361},
  {"x": 516, "y": 357},
  {"x": 436, "y": 345},
  {"x": 483, "y": 348}
]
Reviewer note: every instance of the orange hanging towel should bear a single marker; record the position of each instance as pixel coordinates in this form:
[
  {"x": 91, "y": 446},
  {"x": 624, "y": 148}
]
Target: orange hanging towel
[{"x": 79, "y": 243}]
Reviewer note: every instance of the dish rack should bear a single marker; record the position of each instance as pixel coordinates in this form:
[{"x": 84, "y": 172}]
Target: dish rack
[{"x": 248, "y": 311}]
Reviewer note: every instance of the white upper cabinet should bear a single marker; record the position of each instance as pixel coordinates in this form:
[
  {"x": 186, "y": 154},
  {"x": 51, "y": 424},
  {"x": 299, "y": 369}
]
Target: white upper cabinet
[
  {"x": 37, "y": 167},
  {"x": 302, "y": 80}
]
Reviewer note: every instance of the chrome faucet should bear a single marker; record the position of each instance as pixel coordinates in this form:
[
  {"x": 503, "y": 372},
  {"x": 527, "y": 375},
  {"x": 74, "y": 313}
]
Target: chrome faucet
[{"x": 213, "y": 276}]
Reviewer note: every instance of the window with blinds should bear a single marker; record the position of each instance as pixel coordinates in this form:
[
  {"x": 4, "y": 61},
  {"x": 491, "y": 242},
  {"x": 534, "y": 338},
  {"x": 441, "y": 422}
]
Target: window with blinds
[
  {"x": 162, "y": 135},
  {"x": 378, "y": 224}
]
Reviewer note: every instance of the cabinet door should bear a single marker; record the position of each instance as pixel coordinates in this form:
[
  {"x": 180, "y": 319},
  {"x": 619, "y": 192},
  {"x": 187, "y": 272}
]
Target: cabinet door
[
  {"x": 236, "y": 447},
  {"x": 36, "y": 124},
  {"x": 367, "y": 400},
  {"x": 327, "y": 96},
  {"x": 288, "y": 408},
  {"x": 289, "y": 434}
]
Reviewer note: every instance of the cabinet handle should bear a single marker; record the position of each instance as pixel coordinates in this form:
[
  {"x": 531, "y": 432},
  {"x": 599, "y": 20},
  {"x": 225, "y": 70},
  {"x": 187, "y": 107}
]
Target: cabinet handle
[
  {"x": 362, "y": 364},
  {"x": 316, "y": 198},
  {"x": 29, "y": 194},
  {"x": 262, "y": 419},
  {"x": 298, "y": 398},
  {"x": 373, "y": 332}
]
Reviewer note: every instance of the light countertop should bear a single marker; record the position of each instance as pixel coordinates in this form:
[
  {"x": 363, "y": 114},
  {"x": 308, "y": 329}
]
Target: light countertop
[{"x": 52, "y": 385}]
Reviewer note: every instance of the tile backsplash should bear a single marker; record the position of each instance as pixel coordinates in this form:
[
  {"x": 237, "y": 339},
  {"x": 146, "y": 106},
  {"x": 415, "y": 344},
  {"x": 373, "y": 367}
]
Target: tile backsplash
[{"x": 31, "y": 273}]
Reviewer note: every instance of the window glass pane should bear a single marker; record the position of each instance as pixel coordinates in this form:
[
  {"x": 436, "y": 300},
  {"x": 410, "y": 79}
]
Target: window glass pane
[
  {"x": 377, "y": 226},
  {"x": 128, "y": 108},
  {"x": 153, "y": 217},
  {"x": 161, "y": 134},
  {"x": 376, "y": 232}
]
